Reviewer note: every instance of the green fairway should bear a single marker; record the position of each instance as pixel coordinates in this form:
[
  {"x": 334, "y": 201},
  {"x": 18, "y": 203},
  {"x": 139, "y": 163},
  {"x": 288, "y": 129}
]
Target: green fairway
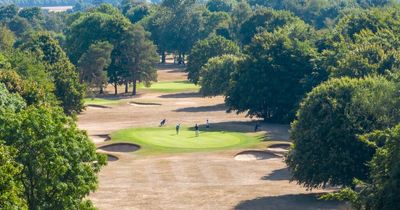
[
  {"x": 170, "y": 87},
  {"x": 165, "y": 140},
  {"x": 101, "y": 101}
]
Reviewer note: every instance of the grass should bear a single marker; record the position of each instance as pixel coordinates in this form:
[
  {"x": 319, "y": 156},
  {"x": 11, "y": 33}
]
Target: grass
[
  {"x": 101, "y": 101},
  {"x": 170, "y": 87},
  {"x": 164, "y": 140}
]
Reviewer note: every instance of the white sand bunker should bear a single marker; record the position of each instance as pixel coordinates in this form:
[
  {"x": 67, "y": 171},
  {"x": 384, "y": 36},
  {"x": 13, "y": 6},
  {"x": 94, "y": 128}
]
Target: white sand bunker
[
  {"x": 279, "y": 149},
  {"x": 255, "y": 155},
  {"x": 142, "y": 104},
  {"x": 120, "y": 147},
  {"x": 112, "y": 158},
  {"x": 93, "y": 106},
  {"x": 100, "y": 138}
]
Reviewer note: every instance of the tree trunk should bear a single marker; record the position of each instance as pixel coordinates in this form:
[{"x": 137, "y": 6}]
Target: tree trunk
[
  {"x": 163, "y": 56},
  {"x": 134, "y": 87},
  {"x": 126, "y": 87},
  {"x": 115, "y": 88},
  {"x": 101, "y": 89},
  {"x": 183, "y": 58},
  {"x": 180, "y": 59}
]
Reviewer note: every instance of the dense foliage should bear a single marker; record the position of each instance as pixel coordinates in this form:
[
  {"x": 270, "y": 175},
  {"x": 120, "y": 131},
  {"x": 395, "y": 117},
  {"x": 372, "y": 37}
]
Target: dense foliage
[
  {"x": 206, "y": 49},
  {"x": 271, "y": 80},
  {"x": 333, "y": 62},
  {"x": 326, "y": 149}
]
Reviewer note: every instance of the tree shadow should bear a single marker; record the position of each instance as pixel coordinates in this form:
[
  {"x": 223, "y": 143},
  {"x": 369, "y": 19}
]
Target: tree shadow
[
  {"x": 278, "y": 175},
  {"x": 273, "y": 131},
  {"x": 182, "y": 95},
  {"x": 290, "y": 202},
  {"x": 278, "y": 132},
  {"x": 213, "y": 108}
]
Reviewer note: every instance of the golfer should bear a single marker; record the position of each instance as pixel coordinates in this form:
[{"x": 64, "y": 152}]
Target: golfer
[
  {"x": 162, "y": 123},
  {"x": 256, "y": 127},
  {"x": 196, "y": 129},
  {"x": 207, "y": 124},
  {"x": 178, "y": 126}
]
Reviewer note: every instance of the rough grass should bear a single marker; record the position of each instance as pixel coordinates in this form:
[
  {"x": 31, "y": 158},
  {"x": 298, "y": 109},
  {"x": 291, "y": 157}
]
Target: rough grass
[
  {"x": 170, "y": 87},
  {"x": 164, "y": 139}
]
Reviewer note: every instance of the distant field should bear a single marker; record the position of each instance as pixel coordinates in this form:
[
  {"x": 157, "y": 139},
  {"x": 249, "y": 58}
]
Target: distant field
[
  {"x": 165, "y": 139},
  {"x": 170, "y": 87},
  {"x": 57, "y": 8}
]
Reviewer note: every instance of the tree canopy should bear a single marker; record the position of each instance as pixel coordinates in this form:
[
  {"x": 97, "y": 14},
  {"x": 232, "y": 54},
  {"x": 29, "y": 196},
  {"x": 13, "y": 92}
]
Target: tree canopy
[{"x": 327, "y": 150}]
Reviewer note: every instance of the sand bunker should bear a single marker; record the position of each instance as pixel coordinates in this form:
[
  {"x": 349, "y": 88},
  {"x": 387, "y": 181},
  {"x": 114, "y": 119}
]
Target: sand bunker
[
  {"x": 120, "y": 147},
  {"x": 279, "y": 149},
  {"x": 93, "y": 106},
  {"x": 112, "y": 158},
  {"x": 142, "y": 104},
  {"x": 100, "y": 138},
  {"x": 255, "y": 155}
]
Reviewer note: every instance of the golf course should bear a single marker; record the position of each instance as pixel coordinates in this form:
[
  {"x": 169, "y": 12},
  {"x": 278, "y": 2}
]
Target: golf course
[{"x": 148, "y": 162}]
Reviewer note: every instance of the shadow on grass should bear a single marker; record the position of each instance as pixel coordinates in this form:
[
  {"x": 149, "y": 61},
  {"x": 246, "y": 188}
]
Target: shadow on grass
[
  {"x": 213, "y": 108},
  {"x": 273, "y": 131},
  {"x": 290, "y": 202},
  {"x": 278, "y": 175},
  {"x": 182, "y": 95}
]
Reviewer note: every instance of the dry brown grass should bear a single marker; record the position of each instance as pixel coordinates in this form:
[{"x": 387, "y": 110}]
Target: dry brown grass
[{"x": 213, "y": 180}]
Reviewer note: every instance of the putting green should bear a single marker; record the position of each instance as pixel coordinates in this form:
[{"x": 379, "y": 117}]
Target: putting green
[
  {"x": 165, "y": 139},
  {"x": 170, "y": 87}
]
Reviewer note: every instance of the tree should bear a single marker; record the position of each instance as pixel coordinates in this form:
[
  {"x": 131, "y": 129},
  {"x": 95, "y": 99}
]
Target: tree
[
  {"x": 372, "y": 19},
  {"x": 19, "y": 26},
  {"x": 367, "y": 54},
  {"x": 32, "y": 93},
  {"x": 31, "y": 13},
  {"x": 140, "y": 57},
  {"x": 7, "y": 39},
  {"x": 264, "y": 19},
  {"x": 67, "y": 87},
  {"x": 275, "y": 75},
  {"x": 12, "y": 101},
  {"x": 326, "y": 148},
  {"x": 97, "y": 26},
  {"x": 8, "y": 12},
  {"x": 10, "y": 188},
  {"x": 59, "y": 162},
  {"x": 93, "y": 64},
  {"x": 206, "y": 49},
  {"x": 220, "y": 5},
  {"x": 215, "y": 75},
  {"x": 137, "y": 13}
]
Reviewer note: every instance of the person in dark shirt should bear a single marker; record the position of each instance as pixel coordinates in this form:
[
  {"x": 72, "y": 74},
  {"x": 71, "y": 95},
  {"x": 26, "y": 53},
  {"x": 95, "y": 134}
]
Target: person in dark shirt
[
  {"x": 178, "y": 126},
  {"x": 196, "y": 129},
  {"x": 162, "y": 123}
]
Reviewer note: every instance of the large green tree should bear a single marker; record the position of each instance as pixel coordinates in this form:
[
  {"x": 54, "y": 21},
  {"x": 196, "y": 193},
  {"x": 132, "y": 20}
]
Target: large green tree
[
  {"x": 139, "y": 57},
  {"x": 275, "y": 75},
  {"x": 264, "y": 19},
  {"x": 215, "y": 75},
  {"x": 99, "y": 25},
  {"x": 206, "y": 49},
  {"x": 59, "y": 162},
  {"x": 326, "y": 148},
  {"x": 93, "y": 65},
  {"x": 68, "y": 90}
]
